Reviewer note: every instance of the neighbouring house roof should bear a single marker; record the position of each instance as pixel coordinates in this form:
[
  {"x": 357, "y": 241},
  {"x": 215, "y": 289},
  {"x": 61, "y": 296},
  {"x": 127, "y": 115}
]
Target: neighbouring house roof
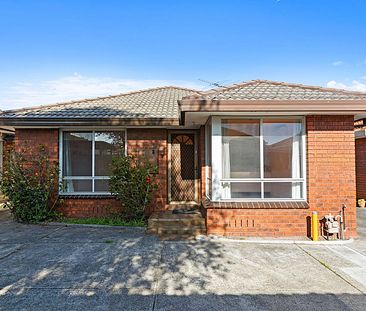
[{"x": 146, "y": 107}]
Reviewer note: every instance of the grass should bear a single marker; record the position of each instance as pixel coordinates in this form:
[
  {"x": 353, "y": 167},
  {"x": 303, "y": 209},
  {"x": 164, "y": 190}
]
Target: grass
[{"x": 105, "y": 221}]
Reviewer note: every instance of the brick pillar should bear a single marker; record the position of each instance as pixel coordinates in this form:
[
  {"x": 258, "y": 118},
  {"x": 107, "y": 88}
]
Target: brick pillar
[
  {"x": 331, "y": 173},
  {"x": 139, "y": 140}
]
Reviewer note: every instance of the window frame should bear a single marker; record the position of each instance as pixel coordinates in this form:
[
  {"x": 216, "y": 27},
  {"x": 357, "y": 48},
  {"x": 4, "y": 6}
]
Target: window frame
[
  {"x": 208, "y": 158},
  {"x": 216, "y": 160},
  {"x": 92, "y": 177}
]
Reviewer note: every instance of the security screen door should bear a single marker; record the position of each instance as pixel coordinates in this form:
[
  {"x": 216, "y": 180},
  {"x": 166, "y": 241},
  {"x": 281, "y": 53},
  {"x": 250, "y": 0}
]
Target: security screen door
[{"x": 183, "y": 167}]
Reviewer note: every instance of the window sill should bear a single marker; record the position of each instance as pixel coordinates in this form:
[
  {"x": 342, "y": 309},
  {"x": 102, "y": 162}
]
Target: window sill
[{"x": 256, "y": 205}]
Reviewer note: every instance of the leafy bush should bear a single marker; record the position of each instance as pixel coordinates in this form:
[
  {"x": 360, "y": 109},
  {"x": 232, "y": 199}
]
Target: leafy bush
[
  {"x": 133, "y": 182},
  {"x": 30, "y": 182}
]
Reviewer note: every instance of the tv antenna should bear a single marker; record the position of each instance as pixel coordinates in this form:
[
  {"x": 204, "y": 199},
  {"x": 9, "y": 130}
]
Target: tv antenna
[
  {"x": 210, "y": 83},
  {"x": 218, "y": 83}
]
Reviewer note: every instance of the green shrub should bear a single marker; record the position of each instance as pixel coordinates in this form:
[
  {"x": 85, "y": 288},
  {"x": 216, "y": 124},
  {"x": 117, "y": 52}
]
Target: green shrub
[
  {"x": 133, "y": 182},
  {"x": 30, "y": 182}
]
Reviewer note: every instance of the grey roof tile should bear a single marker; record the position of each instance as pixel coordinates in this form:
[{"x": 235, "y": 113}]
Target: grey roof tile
[
  {"x": 162, "y": 103},
  {"x": 271, "y": 90},
  {"x": 159, "y": 103}
]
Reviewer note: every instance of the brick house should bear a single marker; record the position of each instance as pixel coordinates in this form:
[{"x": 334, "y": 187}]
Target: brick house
[{"x": 259, "y": 156}]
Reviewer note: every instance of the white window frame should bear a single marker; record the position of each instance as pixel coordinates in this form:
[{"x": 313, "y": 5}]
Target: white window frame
[
  {"x": 93, "y": 177},
  {"x": 216, "y": 160},
  {"x": 208, "y": 158}
]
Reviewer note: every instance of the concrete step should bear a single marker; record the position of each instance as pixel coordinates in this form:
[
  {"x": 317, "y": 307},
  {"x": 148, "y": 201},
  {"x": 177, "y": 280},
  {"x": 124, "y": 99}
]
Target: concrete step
[
  {"x": 177, "y": 230},
  {"x": 176, "y": 206},
  {"x": 190, "y": 231},
  {"x": 176, "y": 222},
  {"x": 177, "y": 237},
  {"x": 166, "y": 224}
]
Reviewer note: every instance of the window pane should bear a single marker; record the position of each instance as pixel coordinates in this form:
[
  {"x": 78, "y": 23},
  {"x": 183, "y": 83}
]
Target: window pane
[
  {"x": 77, "y": 154},
  {"x": 240, "y": 148},
  {"x": 282, "y": 148},
  {"x": 107, "y": 145},
  {"x": 283, "y": 190},
  {"x": 101, "y": 185},
  {"x": 77, "y": 185},
  {"x": 242, "y": 190}
]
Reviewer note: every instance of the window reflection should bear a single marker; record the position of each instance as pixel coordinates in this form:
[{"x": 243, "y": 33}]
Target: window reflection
[
  {"x": 282, "y": 148},
  {"x": 240, "y": 148},
  {"x": 107, "y": 145}
]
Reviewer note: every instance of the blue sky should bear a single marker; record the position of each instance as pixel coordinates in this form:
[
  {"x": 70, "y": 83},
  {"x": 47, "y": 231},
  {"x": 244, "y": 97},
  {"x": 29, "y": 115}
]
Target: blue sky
[{"x": 52, "y": 51}]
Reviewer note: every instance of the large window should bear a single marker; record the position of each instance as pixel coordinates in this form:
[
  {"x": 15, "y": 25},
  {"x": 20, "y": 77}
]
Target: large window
[
  {"x": 86, "y": 159},
  {"x": 261, "y": 159}
]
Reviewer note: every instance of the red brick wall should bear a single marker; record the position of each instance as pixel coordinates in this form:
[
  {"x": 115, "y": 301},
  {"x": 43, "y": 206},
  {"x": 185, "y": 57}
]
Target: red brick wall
[
  {"x": 257, "y": 222},
  {"x": 330, "y": 184},
  {"x": 28, "y": 140},
  {"x": 331, "y": 166},
  {"x": 361, "y": 168},
  {"x": 152, "y": 139},
  {"x": 89, "y": 207}
]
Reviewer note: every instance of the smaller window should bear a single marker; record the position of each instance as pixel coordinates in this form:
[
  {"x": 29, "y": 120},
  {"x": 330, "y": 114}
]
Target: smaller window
[{"x": 87, "y": 157}]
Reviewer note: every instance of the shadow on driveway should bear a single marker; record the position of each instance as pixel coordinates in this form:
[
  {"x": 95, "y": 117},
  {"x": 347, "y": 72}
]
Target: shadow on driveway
[{"x": 79, "y": 268}]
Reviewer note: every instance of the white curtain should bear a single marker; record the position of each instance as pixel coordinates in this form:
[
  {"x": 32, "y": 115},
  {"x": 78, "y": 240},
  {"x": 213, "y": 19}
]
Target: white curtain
[
  {"x": 296, "y": 165},
  {"x": 226, "y": 189},
  {"x": 67, "y": 164}
]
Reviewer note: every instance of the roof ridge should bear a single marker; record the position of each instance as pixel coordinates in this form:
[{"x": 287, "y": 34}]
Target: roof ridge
[
  {"x": 231, "y": 86},
  {"x": 97, "y": 98},
  {"x": 219, "y": 89}
]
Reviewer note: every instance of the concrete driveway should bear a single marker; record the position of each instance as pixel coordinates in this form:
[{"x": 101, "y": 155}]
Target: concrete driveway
[{"x": 73, "y": 268}]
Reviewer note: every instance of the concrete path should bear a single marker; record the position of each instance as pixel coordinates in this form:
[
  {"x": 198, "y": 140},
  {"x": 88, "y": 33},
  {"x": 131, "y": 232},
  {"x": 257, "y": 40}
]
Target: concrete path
[{"x": 78, "y": 268}]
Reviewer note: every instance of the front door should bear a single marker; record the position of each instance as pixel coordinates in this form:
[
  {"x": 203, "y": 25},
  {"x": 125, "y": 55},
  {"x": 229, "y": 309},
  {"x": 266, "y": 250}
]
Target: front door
[{"x": 183, "y": 167}]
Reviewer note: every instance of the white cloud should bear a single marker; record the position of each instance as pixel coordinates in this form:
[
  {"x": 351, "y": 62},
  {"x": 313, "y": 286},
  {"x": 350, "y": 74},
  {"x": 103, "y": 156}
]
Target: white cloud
[
  {"x": 354, "y": 86},
  {"x": 75, "y": 87},
  {"x": 337, "y": 63}
]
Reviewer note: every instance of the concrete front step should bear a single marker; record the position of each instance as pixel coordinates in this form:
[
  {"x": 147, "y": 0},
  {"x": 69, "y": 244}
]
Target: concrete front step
[
  {"x": 175, "y": 206},
  {"x": 166, "y": 224},
  {"x": 201, "y": 229},
  {"x": 177, "y": 237},
  {"x": 176, "y": 222}
]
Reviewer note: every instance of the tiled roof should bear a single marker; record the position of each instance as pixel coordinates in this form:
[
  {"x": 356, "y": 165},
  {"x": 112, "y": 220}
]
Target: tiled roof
[
  {"x": 156, "y": 103},
  {"x": 270, "y": 90},
  {"x": 160, "y": 105}
]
